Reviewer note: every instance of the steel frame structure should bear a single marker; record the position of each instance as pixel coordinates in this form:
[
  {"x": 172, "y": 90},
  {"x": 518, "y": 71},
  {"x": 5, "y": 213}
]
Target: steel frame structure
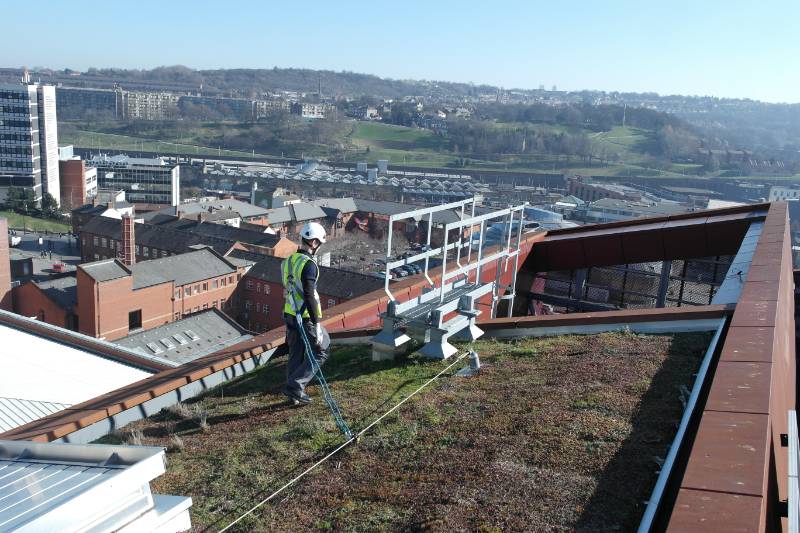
[{"x": 457, "y": 290}]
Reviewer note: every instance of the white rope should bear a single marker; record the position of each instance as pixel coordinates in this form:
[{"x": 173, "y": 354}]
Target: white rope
[{"x": 344, "y": 444}]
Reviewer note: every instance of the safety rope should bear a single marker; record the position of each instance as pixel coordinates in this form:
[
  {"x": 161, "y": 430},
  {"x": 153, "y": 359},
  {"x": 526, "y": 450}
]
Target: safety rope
[
  {"x": 349, "y": 441},
  {"x": 323, "y": 383},
  {"x": 316, "y": 369}
]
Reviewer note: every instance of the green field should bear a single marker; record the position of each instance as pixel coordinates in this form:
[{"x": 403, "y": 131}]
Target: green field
[
  {"x": 625, "y": 149},
  {"x": 398, "y": 144},
  {"x": 113, "y": 141},
  {"x": 17, "y": 221}
]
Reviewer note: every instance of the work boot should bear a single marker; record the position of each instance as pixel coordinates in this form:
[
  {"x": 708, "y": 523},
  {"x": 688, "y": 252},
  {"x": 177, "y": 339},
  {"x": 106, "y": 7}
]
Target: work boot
[{"x": 297, "y": 398}]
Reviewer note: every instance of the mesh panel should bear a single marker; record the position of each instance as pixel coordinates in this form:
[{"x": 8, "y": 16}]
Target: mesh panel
[{"x": 636, "y": 286}]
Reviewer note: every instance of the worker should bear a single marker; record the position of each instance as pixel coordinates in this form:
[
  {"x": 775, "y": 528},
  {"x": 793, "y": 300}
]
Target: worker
[{"x": 300, "y": 274}]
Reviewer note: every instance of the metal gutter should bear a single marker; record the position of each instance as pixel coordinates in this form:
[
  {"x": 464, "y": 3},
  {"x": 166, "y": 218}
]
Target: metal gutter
[{"x": 657, "y": 495}]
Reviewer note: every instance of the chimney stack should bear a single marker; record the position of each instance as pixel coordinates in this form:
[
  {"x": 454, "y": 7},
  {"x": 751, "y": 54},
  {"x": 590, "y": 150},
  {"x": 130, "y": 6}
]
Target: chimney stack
[{"x": 128, "y": 240}]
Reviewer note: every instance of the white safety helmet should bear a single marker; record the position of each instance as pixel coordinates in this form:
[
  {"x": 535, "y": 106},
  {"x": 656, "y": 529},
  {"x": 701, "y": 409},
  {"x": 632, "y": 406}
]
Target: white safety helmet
[{"x": 313, "y": 230}]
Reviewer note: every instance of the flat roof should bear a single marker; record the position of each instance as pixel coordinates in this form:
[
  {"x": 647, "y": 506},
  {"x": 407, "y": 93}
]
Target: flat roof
[{"x": 36, "y": 371}]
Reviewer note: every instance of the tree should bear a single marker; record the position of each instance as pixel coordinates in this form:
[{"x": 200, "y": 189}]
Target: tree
[
  {"x": 50, "y": 207},
  {"x": 20, "y": 199}
]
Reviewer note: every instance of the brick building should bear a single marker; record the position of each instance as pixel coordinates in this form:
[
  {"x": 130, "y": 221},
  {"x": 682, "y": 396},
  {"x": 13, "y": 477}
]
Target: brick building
[
  {"x": 52, "y": 301},
  {"x": 78, "y": 183},
  {"x": 101, "y": 238},
  {"x": 261, "y": 297},
  {"x": 114, "y": 300},
  {"x": 5, "y": 268}
]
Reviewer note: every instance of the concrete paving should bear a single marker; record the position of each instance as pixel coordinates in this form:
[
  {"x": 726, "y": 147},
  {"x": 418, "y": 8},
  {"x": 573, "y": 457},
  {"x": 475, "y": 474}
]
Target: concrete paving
[{"x": 46, "y": 250}]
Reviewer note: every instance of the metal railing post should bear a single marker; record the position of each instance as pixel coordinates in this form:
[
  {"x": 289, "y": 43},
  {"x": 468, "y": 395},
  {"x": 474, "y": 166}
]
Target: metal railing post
[
  {"x": 428, "y": 245},
  {"x": 516, "y": 263},
  {"x": 444, "y": 266}
]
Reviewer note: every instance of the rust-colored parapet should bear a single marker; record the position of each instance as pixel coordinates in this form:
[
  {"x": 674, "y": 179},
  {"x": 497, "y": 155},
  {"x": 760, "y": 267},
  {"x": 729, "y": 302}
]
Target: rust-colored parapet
[
  {"x": 691, "y": 235},
  {"x": 737, "y": 470}
]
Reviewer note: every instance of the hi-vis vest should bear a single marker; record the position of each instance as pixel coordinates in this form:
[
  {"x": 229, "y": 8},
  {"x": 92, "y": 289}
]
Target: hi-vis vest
[{"x": 292, "y": 273}]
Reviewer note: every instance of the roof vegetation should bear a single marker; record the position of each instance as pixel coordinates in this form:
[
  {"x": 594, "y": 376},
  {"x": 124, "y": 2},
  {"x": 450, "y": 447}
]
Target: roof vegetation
[{"x": 554, "y": 433}]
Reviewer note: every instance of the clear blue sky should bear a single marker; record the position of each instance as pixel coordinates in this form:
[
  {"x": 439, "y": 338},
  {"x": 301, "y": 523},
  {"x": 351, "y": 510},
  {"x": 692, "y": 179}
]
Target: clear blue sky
[{"x": 727, "y": 48}]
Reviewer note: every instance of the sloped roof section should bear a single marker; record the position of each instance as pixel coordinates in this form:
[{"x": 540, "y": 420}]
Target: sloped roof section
[
  {"x": 15, "y": 412},
  {"x": 183, "y": 269},
  {"x": 187, "y": 339},
  {"x": 63, "y": 291},
  {"x": 105, "y": 270},
  {"x": 332, "y": 281}
]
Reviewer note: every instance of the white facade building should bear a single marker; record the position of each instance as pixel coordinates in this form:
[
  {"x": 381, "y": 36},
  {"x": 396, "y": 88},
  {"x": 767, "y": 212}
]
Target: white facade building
[
  {"x": 779, "y": 193},
  {"x": 29, "y": 140}
]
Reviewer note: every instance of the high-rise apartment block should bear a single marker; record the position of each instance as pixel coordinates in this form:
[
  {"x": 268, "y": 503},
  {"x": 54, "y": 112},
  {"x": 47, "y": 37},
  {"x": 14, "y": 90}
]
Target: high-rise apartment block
[{"x": 29, "y": 140}]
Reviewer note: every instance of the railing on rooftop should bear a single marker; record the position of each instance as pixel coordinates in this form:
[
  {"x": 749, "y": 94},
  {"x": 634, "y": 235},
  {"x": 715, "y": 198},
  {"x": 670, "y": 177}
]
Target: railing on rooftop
[{"x": 458, "y": 289}]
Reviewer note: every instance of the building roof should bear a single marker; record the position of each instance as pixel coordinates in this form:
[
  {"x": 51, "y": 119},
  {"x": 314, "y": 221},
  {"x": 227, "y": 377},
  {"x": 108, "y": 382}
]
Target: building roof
[
  {"x": 15, "y": 412},
  {"x": 183, "y": 269},
  {"x": 382, "y": 207},
  {"x": 105, "y": 270},
  {"x": 333, "y": 282},
  {"x": 54, "y": 372},
  {"x": 187, "y": 339},
  {"x": 122, "y": 160},
  {"x": 78, "y": 487},
  {"x": 645, "y": 209},
  {"x": 245, "y": 209},
  {"x": 222, "y": 231},
  {"x": 345, "y": 205},
  {"x": 63, "y": 291},
  {"x": 159, "y": 237},
  {"x": 297, "y": 212}
]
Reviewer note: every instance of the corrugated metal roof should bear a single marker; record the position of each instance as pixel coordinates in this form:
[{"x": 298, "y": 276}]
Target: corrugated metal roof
[
  {"x": 15, "y": 412},
  {"x": 78, "y": 487}
]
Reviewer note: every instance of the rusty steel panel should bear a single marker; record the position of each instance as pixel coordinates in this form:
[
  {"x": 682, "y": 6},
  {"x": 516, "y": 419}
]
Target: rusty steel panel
[
  {"x": 700, "y": 510},
  {"x": 730, "y": 454},
  {"x": 741, "y": 387},
  {"x": 749, "y": 344},
  {"x": 755, "y": 314}
]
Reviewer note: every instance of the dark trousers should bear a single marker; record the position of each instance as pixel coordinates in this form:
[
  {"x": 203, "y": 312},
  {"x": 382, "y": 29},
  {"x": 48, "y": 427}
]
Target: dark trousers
[{"x": 298, "y": 369}]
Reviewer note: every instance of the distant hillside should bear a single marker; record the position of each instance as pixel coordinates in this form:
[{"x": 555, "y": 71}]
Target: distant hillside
[{"x": 253, "y": 81}]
